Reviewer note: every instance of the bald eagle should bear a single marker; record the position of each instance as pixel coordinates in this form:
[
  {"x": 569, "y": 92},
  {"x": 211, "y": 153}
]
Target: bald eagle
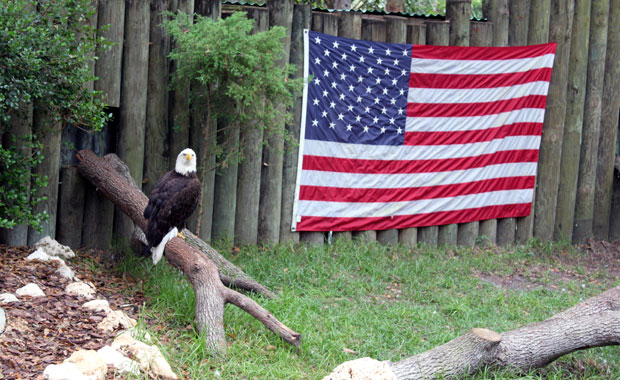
[{"x": 172, "y": 201}]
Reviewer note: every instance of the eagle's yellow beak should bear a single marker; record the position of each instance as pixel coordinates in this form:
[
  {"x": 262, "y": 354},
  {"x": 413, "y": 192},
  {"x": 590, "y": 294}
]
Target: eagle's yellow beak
[{"x": 188, "y": 156}]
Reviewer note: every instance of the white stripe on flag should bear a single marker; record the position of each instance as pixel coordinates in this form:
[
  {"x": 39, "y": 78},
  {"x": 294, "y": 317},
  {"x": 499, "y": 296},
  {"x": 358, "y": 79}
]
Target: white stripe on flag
[
  {"x": 477, "y": 67},
  {"x": 362, "y": 210},
  {"x": 475, "y": 95},
  {"x": 426, "y": 152},
  {"x": 395, "y": 181},
  {"x": 473, "y": 123}
]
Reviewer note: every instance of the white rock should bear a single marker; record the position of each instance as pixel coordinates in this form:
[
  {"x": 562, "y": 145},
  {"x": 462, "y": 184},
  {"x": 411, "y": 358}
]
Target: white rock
[
  {"x": 362, "y": 369},
  {"x": 2, "y": 320},
  {"x": 98, "y": 305},
  {"x": 114, "y": 320},
  {"x": 149, "y": 357},
  {"x": 81, "y": 289},
  {"x": 89, "y": 363},
  {"x": 7, "y": 298},
  {"x": 66, "y": 272},
  {"x": 31, "y": 290},
  {"x": 64, "y": 371},
  {"x": 122, "y": 364},
  {"x": 54, "y": 248}
]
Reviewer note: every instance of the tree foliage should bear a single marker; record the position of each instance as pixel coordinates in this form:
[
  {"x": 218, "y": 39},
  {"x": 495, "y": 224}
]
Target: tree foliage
[
  {"x": 234, "y": 73},
  {"x": 45, "y": 47}
]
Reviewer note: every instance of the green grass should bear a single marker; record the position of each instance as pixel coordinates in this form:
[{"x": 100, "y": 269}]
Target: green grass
[{"x": 386, "y": 303}]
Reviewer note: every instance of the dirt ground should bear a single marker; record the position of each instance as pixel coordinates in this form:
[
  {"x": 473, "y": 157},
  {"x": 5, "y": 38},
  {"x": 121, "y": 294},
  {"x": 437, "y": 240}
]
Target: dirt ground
[{"x": 46, "y": 330}]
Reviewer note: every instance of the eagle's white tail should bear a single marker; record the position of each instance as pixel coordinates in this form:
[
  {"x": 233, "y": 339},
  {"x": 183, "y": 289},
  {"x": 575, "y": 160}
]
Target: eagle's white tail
[{"x": 158, "y": 251}]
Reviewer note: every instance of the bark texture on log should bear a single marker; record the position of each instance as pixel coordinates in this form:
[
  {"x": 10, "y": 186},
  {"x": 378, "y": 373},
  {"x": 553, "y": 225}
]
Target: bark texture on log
[
  {"x": 211, "y": 294},
  {"x": 594, "y": 322}
]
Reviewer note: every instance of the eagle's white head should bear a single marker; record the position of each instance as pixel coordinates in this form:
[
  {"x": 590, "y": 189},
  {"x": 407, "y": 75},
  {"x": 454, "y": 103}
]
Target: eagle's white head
[{"x": 186, "y": 162}]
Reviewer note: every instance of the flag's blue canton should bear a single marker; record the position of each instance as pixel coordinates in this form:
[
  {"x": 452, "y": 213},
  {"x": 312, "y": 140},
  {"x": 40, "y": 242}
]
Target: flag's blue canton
[{"x": 358, "y": 90}]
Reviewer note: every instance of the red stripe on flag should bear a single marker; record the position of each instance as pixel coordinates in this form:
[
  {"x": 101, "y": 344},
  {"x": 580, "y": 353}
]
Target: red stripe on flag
[
  {"x": 315, "y": 223},
  {"x": 474, "y": 109},
  {"x": 340, "y": 194},
  {"x": 350, "y": 165},
  {"x": 463, "y": 81},
  {"x": 467, "y": 137},
  {"x": 469, "y": 53}
]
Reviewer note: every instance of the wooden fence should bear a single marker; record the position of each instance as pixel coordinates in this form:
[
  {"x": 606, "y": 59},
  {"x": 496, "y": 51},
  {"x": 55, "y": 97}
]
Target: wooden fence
[{"x": 577, "y": 193}]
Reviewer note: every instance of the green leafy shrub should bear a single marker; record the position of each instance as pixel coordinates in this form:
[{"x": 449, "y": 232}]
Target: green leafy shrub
[
  {"x": 45, "y": 48},
  {"x": 234, "y": 73}
]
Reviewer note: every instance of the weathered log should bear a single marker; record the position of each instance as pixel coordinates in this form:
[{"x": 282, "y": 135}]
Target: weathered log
[
  {"x": 111, "y": 26},
  {"x": 592, "y": 323},
  {"x": 270, "y": 210},
  {"x": 302, "y": 18},
  {"x": 156, "y": 150},
  {"x": 518, "y": 15},
  {"x": 248, "y": 185},
  {"x": 560, "y": 27},
  {"x": 609, "y": 126},
  {"x": 575, "y": 101},
  {"x": 203, "y": 273},
  {"x": 131, "y": 133},
  {"x": 584, "y": 205},
  {"x": 49, "y": 134}
]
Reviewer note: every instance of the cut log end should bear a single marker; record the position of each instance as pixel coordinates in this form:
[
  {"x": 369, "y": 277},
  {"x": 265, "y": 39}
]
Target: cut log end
[{"x": 486, "y": 334}]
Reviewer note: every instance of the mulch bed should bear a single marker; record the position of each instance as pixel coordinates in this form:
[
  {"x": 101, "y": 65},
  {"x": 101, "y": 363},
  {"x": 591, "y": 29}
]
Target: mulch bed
[{"x": 46, "y": 330}]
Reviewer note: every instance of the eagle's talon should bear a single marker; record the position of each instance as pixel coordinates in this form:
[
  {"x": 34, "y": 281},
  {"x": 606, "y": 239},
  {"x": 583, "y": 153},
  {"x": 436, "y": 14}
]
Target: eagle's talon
[{"x": 180, "y": 235}]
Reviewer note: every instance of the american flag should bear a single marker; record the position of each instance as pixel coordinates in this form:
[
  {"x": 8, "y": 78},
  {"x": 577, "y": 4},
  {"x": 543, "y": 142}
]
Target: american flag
[{"x": 397, "y": 136}]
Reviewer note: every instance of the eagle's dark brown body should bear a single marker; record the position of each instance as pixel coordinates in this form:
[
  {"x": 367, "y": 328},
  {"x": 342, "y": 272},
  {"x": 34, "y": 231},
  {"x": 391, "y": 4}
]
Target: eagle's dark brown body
[{"x": 172, "y": 201}]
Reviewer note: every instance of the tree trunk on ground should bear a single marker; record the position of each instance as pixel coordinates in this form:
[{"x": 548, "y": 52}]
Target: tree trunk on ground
[
  {"x": 594, "y": 322},
  {"x": 203, "y": 273}
]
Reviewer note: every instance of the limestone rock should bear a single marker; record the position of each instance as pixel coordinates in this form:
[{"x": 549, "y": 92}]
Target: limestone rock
[
  {"x": 89, "y": 363},
  {"x": 2, "y": 320},
  {"x": 64, "y": 371},
  {"x": 7, "y": 298},
  {"x": 81, "y": 289},
  {"x": 122, "y": 364},
  {"x": 98, "y": 305},
  {"x": 116, "y": 319},
  {"x": 149, "y": 357},
  {"x": 31, "y": 290},
  {"x": 65, "y": 272},
  {"x": 362, "y": 369},
  {"x": 54, "y": 248}
]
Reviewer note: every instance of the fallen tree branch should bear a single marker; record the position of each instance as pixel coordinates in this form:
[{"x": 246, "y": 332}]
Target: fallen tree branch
[
  {"x": 594, "y": 322},
  {"x": 211, "y": 294}
]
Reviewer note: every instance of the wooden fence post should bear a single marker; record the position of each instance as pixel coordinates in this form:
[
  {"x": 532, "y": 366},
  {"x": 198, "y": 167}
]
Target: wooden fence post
[
  {"x": 481, "y": 34},
  {"x": 538, "y": 33},
  {"x": 21, "y": 126},
  {"x": 396, "y": 31},
  {"x": 108, "y": 67},
  {"x": 302, "y": 19},
  {"x": 584, "y": 206},
  {"x": 458, "y": 12},
  {"x": 156, "y": 149},
  {"x": 499, "y": 15},
  {"x": 416, "y": 34},
  {"x": 197, "y": 137},
  {"x": 560, "y": 27},
  {"x": 437, "y": 33},
  {"x": 609, "y": 126},
  {"x": 70, "y": 207},
  {"x": 575, "y": 98},
  {"x": 270, "y": 211},
  {"x": 248, "y": 184},
  {"x": 48, "y": 133},
  {"x": 133, "y": 100},
  {"x": 518, "y": 20},
  {"x": 178, "y": 100}
]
